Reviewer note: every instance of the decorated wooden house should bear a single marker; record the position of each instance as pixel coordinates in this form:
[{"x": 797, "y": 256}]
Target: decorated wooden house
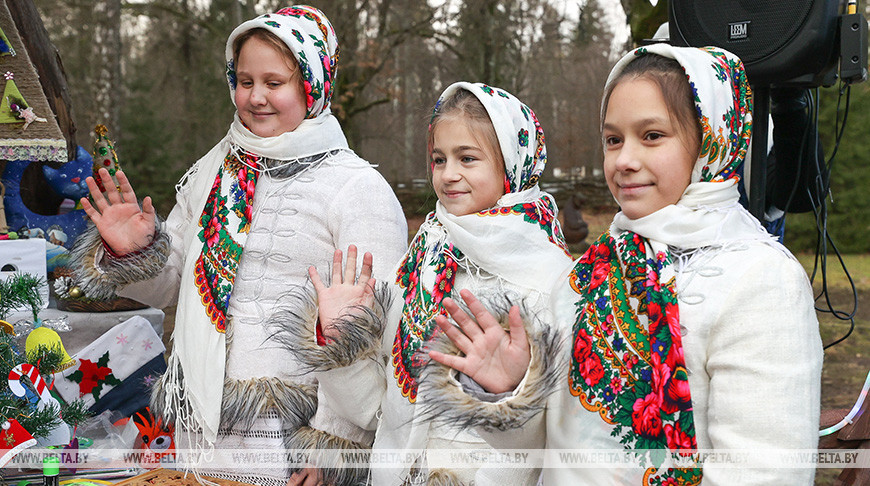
[{"x": 37, "y": 134}]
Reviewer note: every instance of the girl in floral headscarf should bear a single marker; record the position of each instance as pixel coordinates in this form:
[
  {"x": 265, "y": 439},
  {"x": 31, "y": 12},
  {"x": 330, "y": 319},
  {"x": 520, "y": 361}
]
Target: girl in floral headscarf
[
  {"x": 493, "y": 231},
  {"x": 692, "y": 329},
  {"x": 280, "y": 192}
]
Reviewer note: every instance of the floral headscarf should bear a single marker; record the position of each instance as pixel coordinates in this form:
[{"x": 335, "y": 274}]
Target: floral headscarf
[
  {"x": 518, "y": 240},
  {"x": 310, "y": 36},
  {"x": 627, "y": 358}
]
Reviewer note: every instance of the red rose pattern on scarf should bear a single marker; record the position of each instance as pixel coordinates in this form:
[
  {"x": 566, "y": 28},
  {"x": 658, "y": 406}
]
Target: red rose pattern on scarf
[
  {"x": 222, "y": 244},
  {"x": 627, "y": 359},
  {"x": 420, "y": 308}
]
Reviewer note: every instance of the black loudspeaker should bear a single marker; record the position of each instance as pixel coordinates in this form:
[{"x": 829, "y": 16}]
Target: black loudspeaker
[{"x": 781, "y": 42}]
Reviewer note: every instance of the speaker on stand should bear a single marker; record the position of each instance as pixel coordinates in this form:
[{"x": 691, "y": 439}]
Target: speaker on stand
[{"x": 782, "y": 44}]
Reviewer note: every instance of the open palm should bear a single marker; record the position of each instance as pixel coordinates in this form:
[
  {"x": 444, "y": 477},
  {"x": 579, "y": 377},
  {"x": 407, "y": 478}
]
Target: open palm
[
  {"x": 495, "y": 359},
  {"x": 346, "y": 294},
  {"x": 122, "y": 224}
]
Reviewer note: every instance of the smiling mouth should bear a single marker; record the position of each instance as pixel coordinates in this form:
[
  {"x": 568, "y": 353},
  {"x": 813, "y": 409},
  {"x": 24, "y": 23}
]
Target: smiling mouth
[
  {"x": 633, "y": 189},
  {"x": 629, "y": 187},
  {"x": 454, "y": 194}
]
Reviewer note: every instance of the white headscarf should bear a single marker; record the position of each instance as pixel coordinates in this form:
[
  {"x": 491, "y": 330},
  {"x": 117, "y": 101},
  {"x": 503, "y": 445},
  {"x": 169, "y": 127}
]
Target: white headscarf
[
  {"x": 505, "y": 246},
  {"x": 708, "y": 213}
]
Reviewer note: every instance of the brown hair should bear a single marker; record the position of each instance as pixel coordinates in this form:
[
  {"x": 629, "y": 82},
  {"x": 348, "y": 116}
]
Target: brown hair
[
  {"x": 462, "y": 104},
  {"x": 670, "y": 77},
  {"x": 271, "y": 39}
]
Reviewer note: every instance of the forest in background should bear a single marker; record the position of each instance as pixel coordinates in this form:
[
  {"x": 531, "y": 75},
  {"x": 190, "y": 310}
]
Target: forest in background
[{"x": 153, "y": 72}]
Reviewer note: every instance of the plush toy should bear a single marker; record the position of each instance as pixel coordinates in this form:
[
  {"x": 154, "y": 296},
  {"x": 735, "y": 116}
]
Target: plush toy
[
  {"x": 156, "y": 436},
  {"x": 68, "y": 181}
]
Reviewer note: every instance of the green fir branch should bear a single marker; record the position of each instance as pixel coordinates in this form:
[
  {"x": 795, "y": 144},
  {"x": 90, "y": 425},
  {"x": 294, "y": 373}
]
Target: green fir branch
[
  {"x": 75, "y": 413},
  {"x": 20, "y": 289},
  {"x": 47, "y": 359}
]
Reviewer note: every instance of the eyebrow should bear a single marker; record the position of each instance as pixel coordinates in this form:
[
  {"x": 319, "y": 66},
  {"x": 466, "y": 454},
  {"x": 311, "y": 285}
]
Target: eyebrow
[
  {"x": 644, "y": 122},
  {"x": 460, "y": 148},
  {"x": 266, "y": 74}
]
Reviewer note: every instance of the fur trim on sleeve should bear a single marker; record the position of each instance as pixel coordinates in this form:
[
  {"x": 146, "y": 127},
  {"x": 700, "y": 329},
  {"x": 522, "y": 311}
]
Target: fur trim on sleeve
[
  {"x": 245, "y": 400},
  {"x": 360, "y": 335},
  {"x": 446, "y": 403},
  {"x": 443, "y": 477},
  {"x": 100, "y": 274},
  {"x": 326, "y": 452}
]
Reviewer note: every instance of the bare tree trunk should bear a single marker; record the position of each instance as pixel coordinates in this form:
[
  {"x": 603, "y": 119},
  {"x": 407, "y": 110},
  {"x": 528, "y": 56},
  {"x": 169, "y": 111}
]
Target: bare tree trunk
[{"x": 107, "y": 63}]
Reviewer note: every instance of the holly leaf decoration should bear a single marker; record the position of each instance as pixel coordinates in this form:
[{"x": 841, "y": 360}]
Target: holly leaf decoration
[{"x": 92, "y": 376}]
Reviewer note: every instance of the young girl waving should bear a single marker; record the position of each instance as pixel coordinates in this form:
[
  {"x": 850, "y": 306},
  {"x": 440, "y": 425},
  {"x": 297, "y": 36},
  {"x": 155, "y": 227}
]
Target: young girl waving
[
  {"x": 280, "y": 192},
  {"x": 692, "y": 329},
  {"x": 493, "y": 231}
]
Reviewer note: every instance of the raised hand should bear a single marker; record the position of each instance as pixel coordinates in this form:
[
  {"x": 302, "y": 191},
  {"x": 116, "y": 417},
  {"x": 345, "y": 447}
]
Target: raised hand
[
  {"x": 496, "y": 360},
  {"x": 309, "y": 476},
  {"x": 121, "y": 223},
  {"x": 346, "y": 294}
]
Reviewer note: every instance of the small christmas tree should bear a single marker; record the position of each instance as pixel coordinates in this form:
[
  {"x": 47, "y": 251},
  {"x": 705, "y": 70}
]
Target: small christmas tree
[
  {"x": 14, "y": 108},
  {"x": 6, "y": 48},
  {"x": 11, "y": 96},
  {"x": 39, "y": 422},
  {"x": 18, "y": 290},
  {"x": 104, "y": 156}
]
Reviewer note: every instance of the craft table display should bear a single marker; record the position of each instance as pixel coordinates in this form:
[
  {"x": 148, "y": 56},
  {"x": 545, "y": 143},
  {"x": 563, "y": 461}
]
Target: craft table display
[
  {"x": 85, "y": 327},
  {"x": 168, "y": 477}
]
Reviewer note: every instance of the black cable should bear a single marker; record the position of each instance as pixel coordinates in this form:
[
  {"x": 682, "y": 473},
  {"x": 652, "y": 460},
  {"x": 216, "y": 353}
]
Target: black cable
[
  {"x": 824, "y": 241},
  {"x": 800, "y": 158}
]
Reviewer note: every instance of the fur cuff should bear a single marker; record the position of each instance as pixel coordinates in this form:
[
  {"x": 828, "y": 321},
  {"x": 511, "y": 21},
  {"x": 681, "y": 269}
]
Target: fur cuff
[
  {"x": 446, "y": 403},
  {"x": 100, "y": 274},
  {"x": 326, "y": 452},
  {"x": 245, "y": 400},
  {"x": 359, "y": 336},
  {"x": 443, "y": 477}
]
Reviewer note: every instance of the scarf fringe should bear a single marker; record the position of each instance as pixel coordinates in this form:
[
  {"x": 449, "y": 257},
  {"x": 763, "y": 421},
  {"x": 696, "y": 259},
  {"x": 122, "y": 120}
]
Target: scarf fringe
[
  {"x": 324, "y": 451},
  {"x": 100, "y": 275},
  {"x": 360, "y": 334},
  {"x": 445, "y": 403},
  {"x": 169, "y": 401}
]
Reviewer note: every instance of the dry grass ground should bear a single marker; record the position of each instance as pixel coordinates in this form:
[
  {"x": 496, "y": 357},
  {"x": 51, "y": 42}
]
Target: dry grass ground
[{"x": 847, "y": 363}]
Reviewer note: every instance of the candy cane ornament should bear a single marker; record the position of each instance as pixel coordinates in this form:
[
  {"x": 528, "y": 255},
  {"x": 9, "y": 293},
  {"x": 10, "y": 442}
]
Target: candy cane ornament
[{"x": 60, "y": 435}]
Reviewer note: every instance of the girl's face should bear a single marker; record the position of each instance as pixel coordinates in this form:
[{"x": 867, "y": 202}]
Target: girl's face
[
  {"x": 269, "y": 95},
  {"x": 648, "y": 159},
  {"x": 468, "y": 176}
]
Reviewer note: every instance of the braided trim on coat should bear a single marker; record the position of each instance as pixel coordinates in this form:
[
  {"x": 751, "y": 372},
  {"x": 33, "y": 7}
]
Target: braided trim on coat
[
  {"x": 445, "y": 403},
  {"x": 100, "y": 274},
  {"x": 325, "y": 451},
  {"x": 359, "y": 335}
]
